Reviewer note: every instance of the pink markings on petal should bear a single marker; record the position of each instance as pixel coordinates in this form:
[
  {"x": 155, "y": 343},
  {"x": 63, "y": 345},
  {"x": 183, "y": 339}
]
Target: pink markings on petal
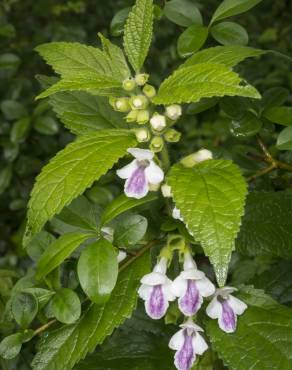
[
  {"x": 185, "y": 357},
  {"x": 228, "y": 319},
  {"x": 136, "y": 185},
  {"x": 190, "y": 303},
  {"x": 156, "y": 306}
]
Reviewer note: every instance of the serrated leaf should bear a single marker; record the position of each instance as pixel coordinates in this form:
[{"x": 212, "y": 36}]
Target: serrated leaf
[
  {"x": 229, "y": 33},
  {"x": 64, "y": 347},
  {"x": 227, "y": 55},
  {"x": 229, "y": 8},
  {"x": 138, "y": 33},
  {"x": 267, "y": 225},
  {"x": 82, "y": 113},
  {"x": 71, "y": 171},
  {"x": 190, "y": 84},
  {"x": 211, "y": 199},
  {"x": 263, "y": 337},
  {"x": 123, "y": 204},
  {"x": 58, "y": 251}
]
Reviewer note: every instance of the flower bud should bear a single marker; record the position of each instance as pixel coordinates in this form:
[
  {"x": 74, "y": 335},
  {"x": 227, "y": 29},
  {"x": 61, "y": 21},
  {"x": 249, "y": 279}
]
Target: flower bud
[
  {"x": 132, "y": 116},
  {"x": 158, "y": 122},
  {"x": 139, "y": 102},
  {"x": 122, "y": 105},
  {"x": 141, "y": 79},
  {"x": 112, "y": 102},
  {"x": 173, "y": 112},
  {"x": 166, "y": 191},
  {"x": 143, "y": 116},
  {"x": 142, "y": 135},
  {"x": 172, "y": 136},
  {"x": 194, "y": 158},
  {"x": 129, "y": 84},
  {"x": 156, "y": 144},
  {"x": 149, "y": 91}
]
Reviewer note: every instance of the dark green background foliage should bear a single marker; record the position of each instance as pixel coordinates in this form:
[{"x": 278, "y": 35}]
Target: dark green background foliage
[{"x": 30, "y": 134}]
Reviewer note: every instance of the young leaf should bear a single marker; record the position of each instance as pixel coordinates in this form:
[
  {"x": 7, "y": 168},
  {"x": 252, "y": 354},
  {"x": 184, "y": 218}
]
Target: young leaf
[
  {"x": 138, "y": 33},
  {"x": 280, "y": 115},
  {"x": 129, "y": 230},
  {"x": 76, "y": 340},
  {"x": 182, "y": 12},
  {"x": 122, "y": 204},
  {"x": 82, "y": 113},
  {"x": 66, "y": 306},
  {"x": 191, "y": 40},
  {"x": 58, "y": 251},
  {"x": 267, "y": 226},
  {"x": 24, "y": 308},
  {"x": 98, "y": 270},
  {"x": 211, "y": 198},
  {"x": 229, "y": 33},
  {"x": 190, "y": 84},
  {"x": 262, "y": 339},
  {"x": 284, "y": 141},
  {"x": 229, "y": 8},
  {"x": 227, "y": 55},
  {"x": 71, "y": 171}
]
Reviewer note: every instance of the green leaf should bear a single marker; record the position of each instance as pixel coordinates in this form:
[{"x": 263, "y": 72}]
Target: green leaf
[
  {"x": 13, "y": 109},
  {"x": 11, "y": 346},
  {"x": 118, "y": 22},
  {"x": 122, "y": 204},
  {"x": 129, "y": 230},
  {"x": 24, "y": 308},
  {"x": 182, "y": 12},
  {"x": 46, "y": 125},
  {"x": 98, "y": 270},
  {"x": 20, "y": 130},
  {"x": 66, "y": 306},
  {"x": 58, "y": 251},
  {"x": 280, "y": 115},
  {"x": 138, "y": 33},
  {"x": 229, "y": 8},
  {"x": 202, "y": 105},
  {"x": 42, "y": 295},
  {"x": 82, "y": 113},
  {"x": 274, "y": 97},
  {"x": 191, "y": 40},
  {"x": 190, "y": 84},
  {"x": 263, "y": 337},
  {"x": 227, "y": 55},
  {"x": 5, "y": 178},
  {"x": 76, "y": 340},
  {"x": 38, "y": 244},
  {"x": 267, "y": 226},
  {"x": 248, "y": 125},
  {"x": 211, "y": 198},
  {"x": 229, "y": 33},
  {"x": 284, "y": 141},
  {"x": 73, "y": 170}
]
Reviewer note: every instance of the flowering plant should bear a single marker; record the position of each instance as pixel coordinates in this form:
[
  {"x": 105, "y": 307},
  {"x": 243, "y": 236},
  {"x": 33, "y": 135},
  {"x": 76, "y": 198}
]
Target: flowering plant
[{"x": 190, "y": 206}]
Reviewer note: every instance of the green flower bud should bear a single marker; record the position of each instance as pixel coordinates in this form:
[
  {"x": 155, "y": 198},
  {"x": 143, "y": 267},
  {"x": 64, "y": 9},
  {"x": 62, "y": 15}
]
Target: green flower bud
[
  {"x": 129, "y": 84},
  {"x": 172, "y": 136},
  {"x": 139, "y": 102},
  {"x": 173, "y": 111},
  {"x": 156, "y": 144},
  {"x": 149, "y": 91},
  {"x": 132, "y": 116},
  {"x": 112, "y": 102},
  {"x": 142, "y": 135},
  {"x": 141, "y": 79},
  {"x": 143, "y": 117},
  {"x": 122, "y": 105},
  {"x": 194, "y": 158}
]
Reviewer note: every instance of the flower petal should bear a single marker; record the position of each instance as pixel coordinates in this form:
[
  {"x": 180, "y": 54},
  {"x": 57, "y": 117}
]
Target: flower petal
[
  {"x": 199, "y": 344},
  {"x": 136, "y": 185},
  {"x": 227, "y": 320},
  {"x": 144, "y": 291},
  {"x": 193, "y": 274},
  {"x": 126, "y": 171},
  {"x": 167, "y": 291},
  {"x": 185, "y": 357},
  {"x": 177, "y": 340},
  {"x": 154, "y": 278},
  {"x": 189, "y": 324},
  {"x": 206, "y": 287},
  {"x": 161, "y": 266},
  {"x": 189, "y": 262},
  {"x": 179, "y": 286},
  {"x": 237, "y": 305},
  {"x": 157, "y": 305},
  {"x": 141, "y": 154},
  {"x": 191, "y": 302},
  {"x": 214, "y": 309},
  {"x": 154, "y": 173}
]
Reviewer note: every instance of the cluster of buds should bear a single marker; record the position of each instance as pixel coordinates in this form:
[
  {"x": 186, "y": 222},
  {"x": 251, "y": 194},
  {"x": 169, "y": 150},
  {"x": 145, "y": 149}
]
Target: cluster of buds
[{"x": 190, "y": 287}]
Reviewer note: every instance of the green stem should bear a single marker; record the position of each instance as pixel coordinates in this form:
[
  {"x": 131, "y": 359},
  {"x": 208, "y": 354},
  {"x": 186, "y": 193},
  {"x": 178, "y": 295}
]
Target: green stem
[{"x": 165, "y": 158}]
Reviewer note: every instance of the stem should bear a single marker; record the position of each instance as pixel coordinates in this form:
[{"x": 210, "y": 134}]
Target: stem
[
  {"x": 165, "y": 158},
  {"x": 44, "y": 327},
  {"x": 262, "y": 172}
]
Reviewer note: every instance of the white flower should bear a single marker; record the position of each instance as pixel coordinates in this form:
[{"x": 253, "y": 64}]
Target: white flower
[
  {"x": 156, "y": 290},
  {"x": 202, "y": 155},
  {"x": 225, "y": 308},
  {"x": 121, "y": 256},
  {"x": 140, "y": 173},
  {"x": 191, "y": 286},
  {"x": 176, "y": 214},
  {"x": 158, "y": 122},
  {"x": 173, "y": 111},
  {"x": 187, "y": 343}
]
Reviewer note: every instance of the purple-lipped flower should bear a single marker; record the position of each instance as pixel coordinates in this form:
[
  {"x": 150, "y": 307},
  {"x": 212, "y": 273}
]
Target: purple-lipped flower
[
  {"x": 140, "y": 173},
  {"x": 191, "y": 286},
  {"x": 188, "y": 343},
  {"x": 156, "y": 290},
  {"x": 226, "y": 308}
]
